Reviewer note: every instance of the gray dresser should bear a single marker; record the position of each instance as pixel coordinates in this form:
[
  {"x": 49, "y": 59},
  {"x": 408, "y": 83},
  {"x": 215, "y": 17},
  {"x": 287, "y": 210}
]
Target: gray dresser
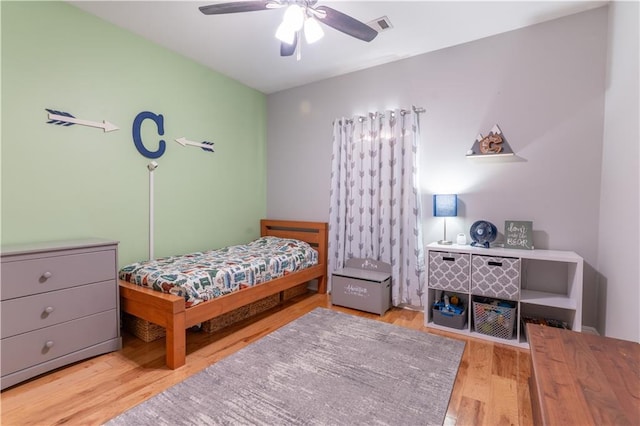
[{"x": 59, "y": 304}]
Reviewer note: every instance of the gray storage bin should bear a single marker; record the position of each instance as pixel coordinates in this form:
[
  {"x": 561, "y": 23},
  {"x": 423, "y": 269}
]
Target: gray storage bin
[
  {"x": 497, "y": 277},
  {"x": 449, "y": 271},
  {"x": 449, "y": 319}
]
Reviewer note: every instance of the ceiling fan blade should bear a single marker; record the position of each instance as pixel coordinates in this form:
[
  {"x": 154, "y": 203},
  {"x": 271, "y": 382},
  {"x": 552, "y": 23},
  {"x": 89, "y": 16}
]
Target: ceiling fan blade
[
  {"x": 289, "y": 49},
  {"x": 346, "y": 24},
  {"x": 234, "y": 7}
]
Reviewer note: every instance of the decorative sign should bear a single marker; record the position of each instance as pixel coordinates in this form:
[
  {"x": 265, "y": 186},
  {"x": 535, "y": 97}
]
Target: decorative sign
[
  {"x": 61, "y": 118},
  {"x": 492, "y": 144},
  {"x": 518, "y": 234},
  {"x": 206, "y": 146}
]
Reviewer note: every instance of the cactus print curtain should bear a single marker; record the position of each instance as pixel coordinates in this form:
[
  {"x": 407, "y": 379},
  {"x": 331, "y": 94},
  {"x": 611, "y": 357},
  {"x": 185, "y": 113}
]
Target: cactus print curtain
[{"x": 375, "y": 206}]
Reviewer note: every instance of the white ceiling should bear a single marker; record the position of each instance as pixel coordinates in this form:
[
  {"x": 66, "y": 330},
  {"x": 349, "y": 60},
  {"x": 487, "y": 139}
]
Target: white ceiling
[{"x": 243, "y": 47}]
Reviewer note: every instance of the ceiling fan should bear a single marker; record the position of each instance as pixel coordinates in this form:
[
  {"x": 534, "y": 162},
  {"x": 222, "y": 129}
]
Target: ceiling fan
[{"x": 301, "y": 16}]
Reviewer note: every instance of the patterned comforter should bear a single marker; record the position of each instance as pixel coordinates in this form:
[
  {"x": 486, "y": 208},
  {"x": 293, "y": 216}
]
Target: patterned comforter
[{"x": 206, "y": 275}]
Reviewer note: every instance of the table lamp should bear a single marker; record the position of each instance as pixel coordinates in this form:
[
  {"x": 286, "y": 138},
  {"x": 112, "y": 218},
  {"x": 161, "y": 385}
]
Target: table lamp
[{"x": 445, "y": 205}]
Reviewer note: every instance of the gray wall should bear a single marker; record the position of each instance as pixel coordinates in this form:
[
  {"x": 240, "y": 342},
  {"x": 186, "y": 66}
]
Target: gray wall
[
  {"x": 543, "y": 85},
  {"x": 618, "y": 250}
]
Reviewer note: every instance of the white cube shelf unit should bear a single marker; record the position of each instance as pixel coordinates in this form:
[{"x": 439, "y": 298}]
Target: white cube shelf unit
[{"x": 538, "y": 283}]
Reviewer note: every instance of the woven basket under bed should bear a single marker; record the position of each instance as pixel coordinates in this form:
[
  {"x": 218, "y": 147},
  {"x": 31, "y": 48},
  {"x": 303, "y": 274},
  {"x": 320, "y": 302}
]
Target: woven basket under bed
[
  {"x": 148, "y": 332},
  {"x": 142, "y": 329}
]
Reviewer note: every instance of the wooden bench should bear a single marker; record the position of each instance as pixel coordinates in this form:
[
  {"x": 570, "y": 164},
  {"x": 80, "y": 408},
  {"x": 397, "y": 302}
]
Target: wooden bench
[{"x": 583, "y": 379}]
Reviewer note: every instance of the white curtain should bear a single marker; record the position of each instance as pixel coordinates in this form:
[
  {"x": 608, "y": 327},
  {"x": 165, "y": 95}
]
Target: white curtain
[{"x": 375, "y": 206}]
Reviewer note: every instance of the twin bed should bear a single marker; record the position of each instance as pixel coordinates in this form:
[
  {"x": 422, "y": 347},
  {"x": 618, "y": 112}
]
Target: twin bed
[{"x": 180, "y": 292}]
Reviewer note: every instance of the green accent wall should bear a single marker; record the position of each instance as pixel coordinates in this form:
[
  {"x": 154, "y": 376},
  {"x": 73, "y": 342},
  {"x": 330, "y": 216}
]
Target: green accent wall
[{"x": 72, "y": 182}]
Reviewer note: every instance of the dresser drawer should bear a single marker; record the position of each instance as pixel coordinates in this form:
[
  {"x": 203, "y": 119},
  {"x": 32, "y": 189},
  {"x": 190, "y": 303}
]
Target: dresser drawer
[
  {"x": 46, "y": 309},
  {"x": 497, "y": 277},
  {"x": 25, "y": 277},
  {"x": 29, "y": 349},
  {"x": 449, "y": 271}
]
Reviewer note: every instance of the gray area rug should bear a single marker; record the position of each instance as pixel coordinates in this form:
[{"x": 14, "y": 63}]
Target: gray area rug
[{"x": 324, "y": 368}]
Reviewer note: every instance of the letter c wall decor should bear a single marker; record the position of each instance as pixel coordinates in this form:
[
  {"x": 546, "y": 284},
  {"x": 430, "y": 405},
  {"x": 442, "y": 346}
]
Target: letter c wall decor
[{"x": 137, "y": 140}]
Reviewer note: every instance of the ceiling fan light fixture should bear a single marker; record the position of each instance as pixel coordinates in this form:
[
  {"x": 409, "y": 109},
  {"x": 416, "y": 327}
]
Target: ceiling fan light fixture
[
  {"x": 312, "y": 30},
  {"x": 299, "y": 16},
  {"x": 285, "y": 34},
  {"x": 294, "y": 17}
]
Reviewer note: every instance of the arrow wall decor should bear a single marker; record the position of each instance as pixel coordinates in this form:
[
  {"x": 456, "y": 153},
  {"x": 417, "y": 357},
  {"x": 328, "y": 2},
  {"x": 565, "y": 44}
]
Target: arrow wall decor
[
  {"x": 66, "y": 119},
  {"x": 206, "y": 146},
  {"x": 61, "y": 118}
]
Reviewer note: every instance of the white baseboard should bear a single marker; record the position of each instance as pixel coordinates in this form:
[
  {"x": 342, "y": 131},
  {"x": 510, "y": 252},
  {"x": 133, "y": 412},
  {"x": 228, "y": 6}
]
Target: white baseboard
[{"x": 590, "y": 330}]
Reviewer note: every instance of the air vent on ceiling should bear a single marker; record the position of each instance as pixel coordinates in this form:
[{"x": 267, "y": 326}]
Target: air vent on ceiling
[{"x": 380, "y": 24}]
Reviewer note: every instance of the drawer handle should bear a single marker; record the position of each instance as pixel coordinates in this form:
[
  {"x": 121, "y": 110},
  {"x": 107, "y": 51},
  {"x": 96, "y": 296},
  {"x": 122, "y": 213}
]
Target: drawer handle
[
  {"x": 449, "y": 259},
  {"x": 493, "y": 263},
  {"x": 47, "y": 275},
  {"x": 49, "y": 309},
  {"x": 48, "y": 344}
]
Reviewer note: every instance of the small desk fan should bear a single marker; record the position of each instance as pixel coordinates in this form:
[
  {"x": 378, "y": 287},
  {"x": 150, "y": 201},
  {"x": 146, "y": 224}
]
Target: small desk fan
[{"x": 483, "y": 233}]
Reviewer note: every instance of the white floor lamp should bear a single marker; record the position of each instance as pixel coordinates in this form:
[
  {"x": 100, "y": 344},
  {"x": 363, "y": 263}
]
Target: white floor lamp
[{"x": 151, "y": 166}]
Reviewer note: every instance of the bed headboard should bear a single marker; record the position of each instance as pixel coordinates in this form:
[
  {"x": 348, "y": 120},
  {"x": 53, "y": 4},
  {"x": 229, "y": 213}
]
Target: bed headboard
[{"x": 314, "y": 233}]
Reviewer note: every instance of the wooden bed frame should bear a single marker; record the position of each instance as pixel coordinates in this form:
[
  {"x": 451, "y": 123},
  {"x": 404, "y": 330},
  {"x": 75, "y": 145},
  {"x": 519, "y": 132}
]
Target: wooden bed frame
[{"x": 169, "y": 311}]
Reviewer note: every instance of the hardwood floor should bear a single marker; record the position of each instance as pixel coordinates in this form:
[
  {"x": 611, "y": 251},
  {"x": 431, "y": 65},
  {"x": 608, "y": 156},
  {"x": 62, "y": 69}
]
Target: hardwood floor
[{"x": 490, "y": 389}]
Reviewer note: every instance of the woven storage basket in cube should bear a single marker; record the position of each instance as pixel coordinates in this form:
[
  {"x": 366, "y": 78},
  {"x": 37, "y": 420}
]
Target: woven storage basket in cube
[{"x": 494, "y": 320}]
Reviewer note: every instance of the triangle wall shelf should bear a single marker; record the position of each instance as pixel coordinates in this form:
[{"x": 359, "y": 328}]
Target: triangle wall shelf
[{"x": 493, "y": 145}]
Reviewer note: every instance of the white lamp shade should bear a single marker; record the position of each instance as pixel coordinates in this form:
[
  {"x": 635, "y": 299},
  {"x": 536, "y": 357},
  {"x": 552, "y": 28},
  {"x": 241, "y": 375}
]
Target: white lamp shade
[
  {"x": 285, "y": 34},
  {"x": 312, "y": 30},
  {"x": 294, "y": 17}
]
